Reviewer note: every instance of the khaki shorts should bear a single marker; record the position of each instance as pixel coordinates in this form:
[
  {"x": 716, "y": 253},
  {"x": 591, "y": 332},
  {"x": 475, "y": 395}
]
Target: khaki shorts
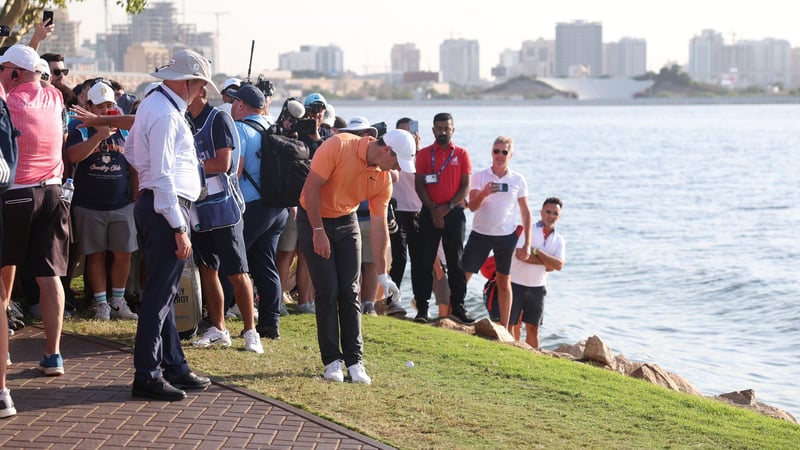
[{"x": 288, "y": 239}]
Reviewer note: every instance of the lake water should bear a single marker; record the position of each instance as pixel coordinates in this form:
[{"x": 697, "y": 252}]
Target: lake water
[{"x": 681, "y": 225}]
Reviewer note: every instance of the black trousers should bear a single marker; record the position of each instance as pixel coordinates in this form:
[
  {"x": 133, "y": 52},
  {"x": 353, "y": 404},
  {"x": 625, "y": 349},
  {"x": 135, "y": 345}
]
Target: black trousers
[{"x": 452, "y": 239}]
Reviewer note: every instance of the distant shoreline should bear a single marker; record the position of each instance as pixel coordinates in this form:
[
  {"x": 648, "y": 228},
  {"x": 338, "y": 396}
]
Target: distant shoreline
[{"x": 654, "y": 101}]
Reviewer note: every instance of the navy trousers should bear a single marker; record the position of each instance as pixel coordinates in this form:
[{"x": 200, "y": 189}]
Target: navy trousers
[
  {"x": 158, "y": 349},
  {"x": 262, "y": 230}
]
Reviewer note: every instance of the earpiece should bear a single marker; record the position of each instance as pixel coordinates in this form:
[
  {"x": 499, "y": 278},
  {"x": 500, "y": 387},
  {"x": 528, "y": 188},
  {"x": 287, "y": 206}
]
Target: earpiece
[{"x": 14, "y": 74}]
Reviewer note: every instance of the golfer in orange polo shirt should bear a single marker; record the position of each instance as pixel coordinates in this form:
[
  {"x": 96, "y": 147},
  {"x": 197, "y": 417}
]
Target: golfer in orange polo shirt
[{"x": 347, "y": 169}]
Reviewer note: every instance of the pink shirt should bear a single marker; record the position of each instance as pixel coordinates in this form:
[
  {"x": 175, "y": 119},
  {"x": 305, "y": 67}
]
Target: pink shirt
[{"x": 36, "y": 113}]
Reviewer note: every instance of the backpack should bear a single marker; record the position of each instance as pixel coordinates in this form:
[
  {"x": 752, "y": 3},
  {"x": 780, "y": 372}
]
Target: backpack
[
  {"x": 9, "y": 153},
  {"x": 285, "y": 163},
  {"x": 490, "y": 300}
]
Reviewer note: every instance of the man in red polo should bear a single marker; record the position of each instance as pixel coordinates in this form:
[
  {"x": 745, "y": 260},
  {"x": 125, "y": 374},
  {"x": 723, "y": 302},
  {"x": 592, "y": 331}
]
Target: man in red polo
[{"x": 442, "y": 182}]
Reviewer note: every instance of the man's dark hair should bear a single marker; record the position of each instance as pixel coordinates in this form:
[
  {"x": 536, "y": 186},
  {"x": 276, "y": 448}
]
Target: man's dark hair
[
  {"x": 115, "y": 85},
  {"x": 553, "y": 201},
  {"x": 442, "y": 117},
  {"x": 402, "y": 121},
  {"x": 52, "y": 57}
]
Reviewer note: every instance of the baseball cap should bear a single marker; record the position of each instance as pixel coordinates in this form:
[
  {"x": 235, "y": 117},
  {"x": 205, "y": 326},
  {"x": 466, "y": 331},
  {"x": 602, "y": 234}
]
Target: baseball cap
[
  {"x": 231, "y": 82},
  {"x": 330, "y": 116},
  {"x": 250, "y": 95},
  {"x": 359, "y": 123},
  {"x": 186, "y": 65},
  {"x": 43, "y": 67},
  {"x": 100, "y": 93},
  {"x": 315, "y": 97},
  {"x": 22, "y": 56},
  {"x": 403, "y": 144}
]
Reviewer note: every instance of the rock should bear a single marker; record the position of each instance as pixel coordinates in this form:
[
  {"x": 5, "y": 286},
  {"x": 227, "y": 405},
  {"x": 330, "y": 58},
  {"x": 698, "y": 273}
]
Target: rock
[
  {"x": 747, "y": 399},
  {"x": 597, "y": 350},
  {"x": 491, "y": 330},
  {"x": 576, "y": 350},
  {"x": 656, "y": 375},
  {"x": 450, "y": 324},
  {"x": 626, "y": 366}
]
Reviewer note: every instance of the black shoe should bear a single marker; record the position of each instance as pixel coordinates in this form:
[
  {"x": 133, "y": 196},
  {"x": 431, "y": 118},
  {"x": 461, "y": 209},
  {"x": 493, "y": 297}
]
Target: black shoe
[
  {"x": 460, "y": 314},
  {"x": 269, "y": 332},
  {"x": 422, "y": 317},
  {"x": 158, "y": 389},
  {"x": 190, "y": 382}
]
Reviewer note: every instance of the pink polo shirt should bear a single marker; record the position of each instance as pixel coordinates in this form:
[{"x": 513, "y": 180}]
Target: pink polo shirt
[{"x": 36, "y": 113}]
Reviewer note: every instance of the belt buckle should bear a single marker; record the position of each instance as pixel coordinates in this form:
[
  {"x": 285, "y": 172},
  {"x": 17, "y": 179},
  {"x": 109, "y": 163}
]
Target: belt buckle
[{"x": 43, "y": 184}]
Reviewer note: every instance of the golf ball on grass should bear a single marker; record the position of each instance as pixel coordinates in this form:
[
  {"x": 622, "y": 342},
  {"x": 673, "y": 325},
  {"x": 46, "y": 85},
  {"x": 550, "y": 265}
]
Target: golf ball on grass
[{"x": 410, "y": 364}]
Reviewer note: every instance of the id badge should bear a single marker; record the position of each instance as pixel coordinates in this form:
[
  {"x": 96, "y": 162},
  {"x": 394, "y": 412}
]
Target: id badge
[{"x": 431, "y": 178}]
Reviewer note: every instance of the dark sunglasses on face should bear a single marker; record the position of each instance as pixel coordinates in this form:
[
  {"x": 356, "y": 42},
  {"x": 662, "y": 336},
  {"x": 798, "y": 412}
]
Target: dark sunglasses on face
[
  {"x": 497, "y": 150},
  {"x": 59, "y": 72}
]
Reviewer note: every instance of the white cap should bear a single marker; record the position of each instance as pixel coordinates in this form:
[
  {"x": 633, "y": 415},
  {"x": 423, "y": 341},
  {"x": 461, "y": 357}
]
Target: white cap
[
  {"x": 100, "y": 93},
  {"x": 22, "y": 56},
  {"x": 403, "y": 144},
  {"x": 187, "y": 65}
]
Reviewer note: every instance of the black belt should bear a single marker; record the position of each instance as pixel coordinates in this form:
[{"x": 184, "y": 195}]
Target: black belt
[{"x": 186, "y": 203}]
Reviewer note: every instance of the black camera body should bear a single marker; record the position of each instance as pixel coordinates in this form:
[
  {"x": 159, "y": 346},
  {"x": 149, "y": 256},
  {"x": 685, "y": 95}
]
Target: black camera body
[
  {"x": 265, "y": 86},
  {"x": 304, "y": 127}
]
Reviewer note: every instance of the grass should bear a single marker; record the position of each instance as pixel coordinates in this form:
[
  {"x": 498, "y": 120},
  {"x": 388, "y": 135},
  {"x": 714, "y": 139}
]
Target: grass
[{"x": 469, "y": 392}]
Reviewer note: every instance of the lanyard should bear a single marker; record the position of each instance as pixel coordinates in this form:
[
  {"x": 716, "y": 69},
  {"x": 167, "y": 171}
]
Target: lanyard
[{"x": 433, "y": 160}]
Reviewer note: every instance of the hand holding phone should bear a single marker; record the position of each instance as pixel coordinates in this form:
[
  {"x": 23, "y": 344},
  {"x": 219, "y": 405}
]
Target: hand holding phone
[
  {"x": 413, "y": 127},
  {"x": 47, "y": 17}
]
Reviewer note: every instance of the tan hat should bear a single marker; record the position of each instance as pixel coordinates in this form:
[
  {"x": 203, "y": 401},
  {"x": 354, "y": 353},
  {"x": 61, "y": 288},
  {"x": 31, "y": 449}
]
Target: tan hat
[{"x": 187, "y": 65}]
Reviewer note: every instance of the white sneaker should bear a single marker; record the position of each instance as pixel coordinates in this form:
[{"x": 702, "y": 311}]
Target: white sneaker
[
  {"x": 6, "y": 404},
  {"x": 235, "y": 311},
  {"x": 358, "y": 374},
  {"x": 213, "y": 336},
  {"x": 333, "y": 371},
  {"x": 102, "y": 312},
  {"x": 252, "y": 341},
  {"x": 121, "y": 310}
]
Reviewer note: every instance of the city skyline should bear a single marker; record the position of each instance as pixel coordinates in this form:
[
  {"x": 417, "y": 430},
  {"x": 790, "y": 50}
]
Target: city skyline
[{"x": 367, "y": 43}]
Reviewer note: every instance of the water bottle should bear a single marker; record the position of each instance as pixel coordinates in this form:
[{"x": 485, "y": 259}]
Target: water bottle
[{"x": 67, "y": 190}]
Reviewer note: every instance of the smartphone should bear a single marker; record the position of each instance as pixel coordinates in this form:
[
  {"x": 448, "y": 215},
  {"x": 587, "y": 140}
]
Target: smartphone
[
  {"x": 503, "y": 187},
  {"x": 47, "y": 17},
  {"x": 413, "y": 127}
]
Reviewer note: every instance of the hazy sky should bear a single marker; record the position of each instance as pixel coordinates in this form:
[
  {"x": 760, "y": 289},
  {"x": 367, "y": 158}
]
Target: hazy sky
[{"x": 366, "y": 35}]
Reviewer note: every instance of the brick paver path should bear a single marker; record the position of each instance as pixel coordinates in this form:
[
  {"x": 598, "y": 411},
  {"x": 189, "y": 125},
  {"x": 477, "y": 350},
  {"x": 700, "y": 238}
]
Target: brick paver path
[{"x": 91, "y": 407}]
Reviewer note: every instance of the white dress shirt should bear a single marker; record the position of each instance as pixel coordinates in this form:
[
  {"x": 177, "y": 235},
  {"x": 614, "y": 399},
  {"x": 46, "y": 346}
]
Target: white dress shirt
[{"x": 162, "y": 151}]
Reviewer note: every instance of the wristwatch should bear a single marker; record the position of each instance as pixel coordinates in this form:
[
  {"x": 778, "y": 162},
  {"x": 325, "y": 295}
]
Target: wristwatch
[{"x": 180, "y": 230}]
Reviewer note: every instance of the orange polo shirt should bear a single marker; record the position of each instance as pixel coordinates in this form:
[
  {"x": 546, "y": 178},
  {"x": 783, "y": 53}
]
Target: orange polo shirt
[{"x": 342, "y": 161}]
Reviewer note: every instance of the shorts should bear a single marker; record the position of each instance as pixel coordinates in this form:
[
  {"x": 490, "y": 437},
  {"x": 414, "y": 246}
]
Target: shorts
[
  {"x": 99, "y": 231},
  {"x": 366, "y": 247},
  {"x": 288, "y": 239},
  {"x": 38, "y": 220},
  {"x": 222, "y": 250},
  {"x": 528, "y": 301},
  {"x": 477, "y": 250}
]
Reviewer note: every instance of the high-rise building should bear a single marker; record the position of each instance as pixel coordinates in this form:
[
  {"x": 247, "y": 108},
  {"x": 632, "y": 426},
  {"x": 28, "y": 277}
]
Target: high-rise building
[
  {"x": 579, "y": 49},
  {"x": 328, "y": 60},
  {"x": 64, "y": 39},
  {"x": 625, "y": 58},
  {"x": 459, "y": 61},
  {"x": 405, "y": 58},
  {"x": 705, "y": 57}
]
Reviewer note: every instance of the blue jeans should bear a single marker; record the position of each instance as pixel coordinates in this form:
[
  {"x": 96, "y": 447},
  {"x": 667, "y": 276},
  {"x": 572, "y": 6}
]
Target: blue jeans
[
  {"x": 262, "y": 229},
  {"x": 336, "y": 284}
]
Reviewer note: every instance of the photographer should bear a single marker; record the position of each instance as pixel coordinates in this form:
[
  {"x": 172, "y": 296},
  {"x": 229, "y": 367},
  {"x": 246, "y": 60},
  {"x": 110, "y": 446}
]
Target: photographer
[{"x": 313, "y": 136}]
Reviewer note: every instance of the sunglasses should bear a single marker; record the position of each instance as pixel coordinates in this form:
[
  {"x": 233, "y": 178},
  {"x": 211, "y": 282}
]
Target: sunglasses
[
  {"x": 497, "y": 150},
  {"x": 59, "y": 72}
]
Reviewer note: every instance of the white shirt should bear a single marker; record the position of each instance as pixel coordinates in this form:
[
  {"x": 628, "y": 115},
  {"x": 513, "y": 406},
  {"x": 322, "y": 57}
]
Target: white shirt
[
  {"x": 532, "y": 275},
  {"x": 162, "y": 151},
  {"x": 405, "y": 193},
  {"x": 498, "y": 214}
]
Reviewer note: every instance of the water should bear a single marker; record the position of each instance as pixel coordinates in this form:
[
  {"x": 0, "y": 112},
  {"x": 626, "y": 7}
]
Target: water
[{"x": 681, "y": 225}]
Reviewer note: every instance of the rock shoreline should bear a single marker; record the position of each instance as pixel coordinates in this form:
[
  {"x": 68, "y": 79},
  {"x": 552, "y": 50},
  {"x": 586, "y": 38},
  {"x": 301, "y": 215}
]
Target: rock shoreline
[{"x": 595, "y": 352}]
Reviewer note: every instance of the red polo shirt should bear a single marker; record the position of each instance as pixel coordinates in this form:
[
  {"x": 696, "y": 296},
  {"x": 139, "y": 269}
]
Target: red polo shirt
[{"x": 449, "y": 168}]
